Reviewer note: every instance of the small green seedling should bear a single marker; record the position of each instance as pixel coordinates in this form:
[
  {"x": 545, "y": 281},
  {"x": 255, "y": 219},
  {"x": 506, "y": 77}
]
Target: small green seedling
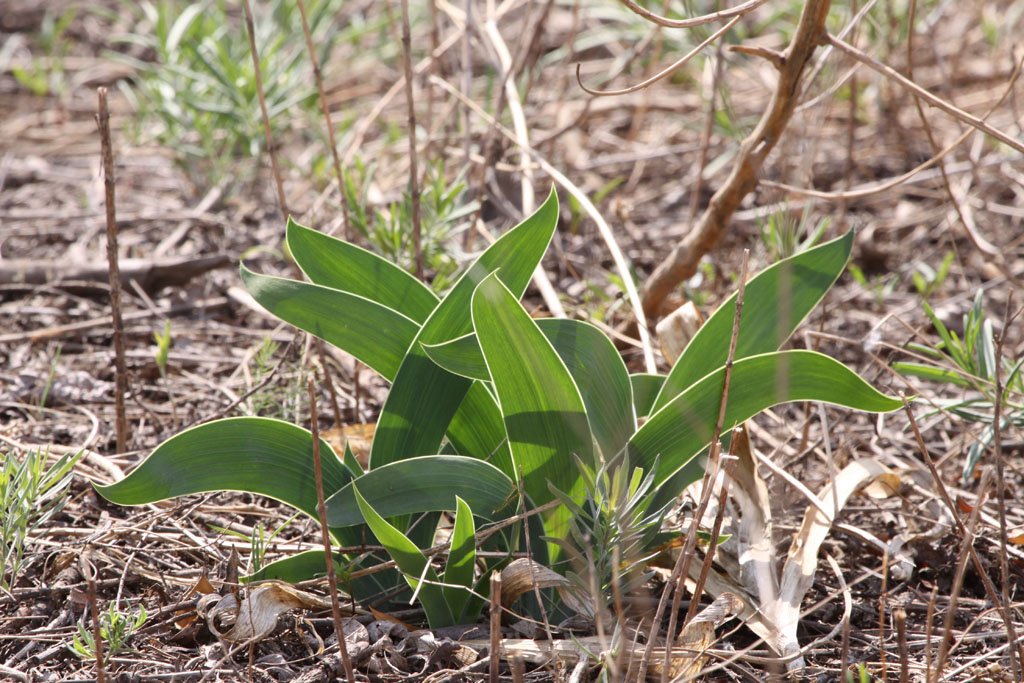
[
  {"x": 258, "y": 541},
  {"x": 116, "y": 629},
  {"x": 971, "y": 363},
  {"x": 928, "y": 279},
  {"x": 30, "y": 494},
  {"x": 163, "y": 347}
]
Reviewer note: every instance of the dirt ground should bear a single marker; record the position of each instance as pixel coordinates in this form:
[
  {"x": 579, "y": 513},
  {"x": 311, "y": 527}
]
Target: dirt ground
[{"x": 184, "y": 241}]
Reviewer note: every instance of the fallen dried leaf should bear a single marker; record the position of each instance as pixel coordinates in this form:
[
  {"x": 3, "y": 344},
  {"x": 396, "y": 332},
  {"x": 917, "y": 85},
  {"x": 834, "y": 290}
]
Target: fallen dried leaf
[{"x": 256, "y": 617}]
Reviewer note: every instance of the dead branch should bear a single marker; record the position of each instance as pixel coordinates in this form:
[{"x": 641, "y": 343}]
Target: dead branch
[
  {"x": 918, "y": 91},
  {"x": 740, "y": 9},
  {"x": 682, "y": 262},
  {"x": 670, "y": 69},
  {"x": 151, "y": 274}
]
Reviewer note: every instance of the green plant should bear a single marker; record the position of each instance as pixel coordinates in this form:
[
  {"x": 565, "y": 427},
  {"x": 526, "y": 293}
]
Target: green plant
[
  {"x": 199, "y": 92},
  {"x": 576, "y": 213},
  {"x": 613, "y": 530},
  {"x": 50, "y": 377},
  {"x": 785, "y": 235},
  {"x": 927, "y": 279},
  {"x": 45, "y": 75},
  {"x": 484, "y": 397},
  {"x": 879, "y": 286},
  {"x": 443, "y": 216},
  {"x": 971, "y": 363},
  {"x": 258, "y": 541},
  {"x": 279, "y": 398},
  {"x": 859, "y": 674},
  {"x": 163, "y": 348},
  {"x": 116, "y": 629},
  {"x": 30, "y": 494}
]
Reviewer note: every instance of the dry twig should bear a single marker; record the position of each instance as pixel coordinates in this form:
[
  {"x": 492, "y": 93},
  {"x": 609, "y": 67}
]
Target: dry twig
[{"x": 681, "y": 263}]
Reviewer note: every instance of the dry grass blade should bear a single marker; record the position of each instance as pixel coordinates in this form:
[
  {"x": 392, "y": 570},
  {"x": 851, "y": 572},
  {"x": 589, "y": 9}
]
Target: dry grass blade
[
  {"x": 698, "y": 635},
  {"x": 688, "y": 655},
  {"x": 523, "y": 575}
]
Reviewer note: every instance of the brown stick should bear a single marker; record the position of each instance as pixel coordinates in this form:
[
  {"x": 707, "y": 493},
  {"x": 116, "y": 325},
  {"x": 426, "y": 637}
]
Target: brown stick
[
  {"x": 283, "y": 204},
  {"x": 997, "y": 442},
  {"x": 900, "y": 618},
  {"x": 328, "y": 381},
  {"x": 682, "y": 569},
  {"x": 414, "y": 180},
  {"x": 980, "y": 568},
  {"x": 716, "y": 447},
  {"x": 327, "y": 122},
  {"x": 321, "y": 511},
  {"x": 89, "y": 572},
  {"x": 151, "y": 274},
  {"x": 120, "y": 373},
  {"x": 881, "y": 615},
  {"x": 495, "y": 634},
  {"x": 966, "y": 546},
  {"x": 682, "y": 262}
]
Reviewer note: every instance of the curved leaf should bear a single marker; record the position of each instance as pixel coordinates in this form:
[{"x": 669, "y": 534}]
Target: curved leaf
[
  {"x": 477, "y": 429},
  {"x": 375, "y": 334},
  {"x": 337, "y": 264},
  {"x": 424, "y": 397},
  {"x": 544, "y": 414},
  {"x": 775, "y": 302},
  {"x": 600, "y": 376},
  {"x": 422, "y": 484},
  {"x": 645, "y": 391},
  {"x": 459, "y": 569},
  {"x": 460, "y": 356},
  {"x": 412, "y": 562},
  {"x": 594, "y": 364},
  {"x": 686, "y": 424},
  {"x": 253, "y": 454}
]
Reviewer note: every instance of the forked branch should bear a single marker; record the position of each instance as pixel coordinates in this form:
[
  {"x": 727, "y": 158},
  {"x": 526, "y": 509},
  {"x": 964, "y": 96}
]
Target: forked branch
[{"x": 682, "y": 262}]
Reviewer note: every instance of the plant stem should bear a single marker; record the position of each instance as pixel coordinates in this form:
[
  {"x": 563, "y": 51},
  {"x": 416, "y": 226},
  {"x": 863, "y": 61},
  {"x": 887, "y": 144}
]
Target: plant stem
[
  {"x": 120, "y": 373},
  {"x": 321, "y": 511}
]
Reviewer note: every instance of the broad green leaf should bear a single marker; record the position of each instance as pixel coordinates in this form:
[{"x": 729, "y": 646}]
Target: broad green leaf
[
  {"x": 544, "y": 414},
  {"x": 253, "y": 454},
  {"x": 477, "y": 429},
  {"x": 412, "y": 562},
  {"x": 460, "y": 356},
  {"x": 422, "y": 484},
  {"x": 458, "y": 571},
  {"x": 337, "y": 264},
  {"x": 302, "y": 566},
  {"x": 686, "y": 424},
  {"x": 375, "y": 334},
  {"x": 645, "y": 391},
  {"x": 310, "y": 564},
  {"x": 425, "y": 397},
  {"x": 775, "y": 302},
  {"x": 601, "y": 377},
  {"x": 594, "y": 364}
]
